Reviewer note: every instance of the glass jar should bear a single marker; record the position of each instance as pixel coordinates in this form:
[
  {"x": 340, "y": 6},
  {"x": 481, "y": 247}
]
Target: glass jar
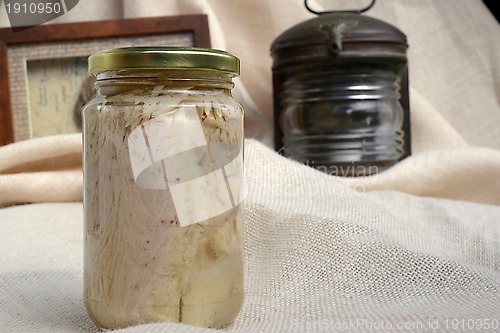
[{"x": 163, "y": 168}]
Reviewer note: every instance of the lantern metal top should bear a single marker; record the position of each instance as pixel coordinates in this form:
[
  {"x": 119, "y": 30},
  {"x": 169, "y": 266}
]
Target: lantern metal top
[{"x": 338, "y": 35}]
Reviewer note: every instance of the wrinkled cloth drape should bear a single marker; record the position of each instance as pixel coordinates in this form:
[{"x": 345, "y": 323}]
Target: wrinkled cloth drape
[{"x": 319, "y": 257}]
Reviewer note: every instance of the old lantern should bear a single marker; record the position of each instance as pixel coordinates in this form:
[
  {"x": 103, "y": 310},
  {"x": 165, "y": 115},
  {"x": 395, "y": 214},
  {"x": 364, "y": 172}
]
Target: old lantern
[{"x": 340, "y": 86}]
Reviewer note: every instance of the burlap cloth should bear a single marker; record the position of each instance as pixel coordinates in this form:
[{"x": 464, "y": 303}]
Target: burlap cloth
[{"x": 416, "y": 248}]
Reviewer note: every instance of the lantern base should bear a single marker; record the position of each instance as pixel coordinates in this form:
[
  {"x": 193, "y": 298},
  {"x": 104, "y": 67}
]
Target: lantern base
[
  {"x": 352, "y": 169},
  {"x": 348, "y": 155}
]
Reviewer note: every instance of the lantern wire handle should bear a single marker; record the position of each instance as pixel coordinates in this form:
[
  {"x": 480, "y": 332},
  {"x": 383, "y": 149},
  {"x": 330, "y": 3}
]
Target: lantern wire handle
[{"x": 336, "y": 11}]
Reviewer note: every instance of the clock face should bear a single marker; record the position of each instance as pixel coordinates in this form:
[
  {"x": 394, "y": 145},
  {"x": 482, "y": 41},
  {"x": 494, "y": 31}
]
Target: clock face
[{"x": 54, "y": 88}]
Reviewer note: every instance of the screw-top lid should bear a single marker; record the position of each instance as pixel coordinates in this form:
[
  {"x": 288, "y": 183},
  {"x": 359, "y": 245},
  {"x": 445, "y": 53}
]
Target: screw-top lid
[
  {"x": 163, "y": 57},
  {"x": 338, "y": 35}
]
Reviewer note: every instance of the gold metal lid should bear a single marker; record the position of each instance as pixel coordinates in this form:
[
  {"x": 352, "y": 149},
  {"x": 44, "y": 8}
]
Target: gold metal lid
[{"x": 163, "y": 57}]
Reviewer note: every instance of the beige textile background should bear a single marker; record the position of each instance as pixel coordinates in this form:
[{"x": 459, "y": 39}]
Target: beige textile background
[{"x": 419, "y": 243}]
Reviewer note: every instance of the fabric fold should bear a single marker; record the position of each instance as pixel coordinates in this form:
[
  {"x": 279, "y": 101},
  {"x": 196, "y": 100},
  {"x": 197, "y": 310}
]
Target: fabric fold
[
  {"x": 46, "y": 186},
  {"x": 47, "y": 169},
  {"x": 467, "y": 174},
  {"x": 46, "y": 153}
]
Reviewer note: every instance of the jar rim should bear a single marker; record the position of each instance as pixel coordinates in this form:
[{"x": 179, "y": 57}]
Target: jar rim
[{"x": 163, "y": 57}]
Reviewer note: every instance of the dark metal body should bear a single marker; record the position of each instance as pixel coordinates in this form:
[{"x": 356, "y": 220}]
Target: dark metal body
[{"x": 339, "y": 40}]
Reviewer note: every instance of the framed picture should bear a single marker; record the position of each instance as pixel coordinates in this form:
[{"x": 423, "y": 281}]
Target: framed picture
[{"x": 43, "y": 70}]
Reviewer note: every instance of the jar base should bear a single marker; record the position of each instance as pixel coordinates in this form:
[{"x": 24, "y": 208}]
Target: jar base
[{"x": 212, "y": 315}]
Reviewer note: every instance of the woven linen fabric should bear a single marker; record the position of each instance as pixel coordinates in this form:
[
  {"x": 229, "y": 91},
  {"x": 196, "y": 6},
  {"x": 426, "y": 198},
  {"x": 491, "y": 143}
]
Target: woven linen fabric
[{"x": 319, "y": 257}]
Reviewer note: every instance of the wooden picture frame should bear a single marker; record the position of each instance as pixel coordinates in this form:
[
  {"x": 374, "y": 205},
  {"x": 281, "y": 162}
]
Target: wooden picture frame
[{"x": 30, "y": 56}]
